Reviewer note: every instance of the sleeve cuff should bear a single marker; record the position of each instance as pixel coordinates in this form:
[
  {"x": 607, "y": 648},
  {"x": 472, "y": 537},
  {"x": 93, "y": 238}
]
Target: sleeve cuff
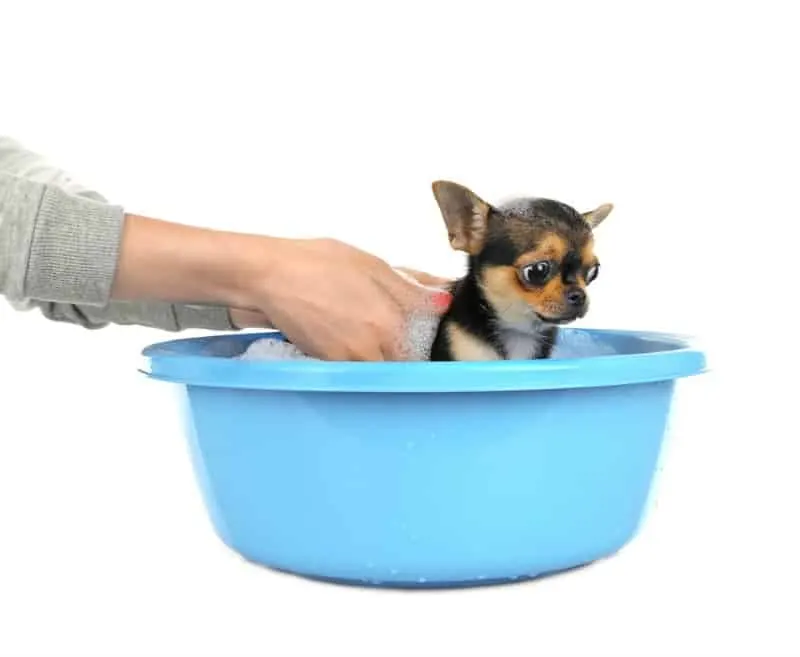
[
  {"x": 211, "y": 318},
  {"x": 151, "y": 314},
  {"x": 72, "y": 261},
  {"x": 74, "y": 249}
]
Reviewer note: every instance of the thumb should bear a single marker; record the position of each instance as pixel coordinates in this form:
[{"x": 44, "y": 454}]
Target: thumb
[
  {"x": 423, "y": 298},
  {"x": 429, "y": 280}
]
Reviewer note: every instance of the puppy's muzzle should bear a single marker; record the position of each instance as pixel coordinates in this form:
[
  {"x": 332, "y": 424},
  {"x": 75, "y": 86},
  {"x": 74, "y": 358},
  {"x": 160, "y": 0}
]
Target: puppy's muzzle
[{"x": 576, "y": 304}]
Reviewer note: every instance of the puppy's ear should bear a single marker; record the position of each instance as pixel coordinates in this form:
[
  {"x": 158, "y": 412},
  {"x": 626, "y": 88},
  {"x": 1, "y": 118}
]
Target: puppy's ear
[
  {"x": 465, "y": 215},
  {"x": 595, "y": 217}
]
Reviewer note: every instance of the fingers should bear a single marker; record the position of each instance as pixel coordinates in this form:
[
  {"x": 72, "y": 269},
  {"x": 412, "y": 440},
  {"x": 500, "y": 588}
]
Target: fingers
[
  {"x": 381, "y": 335},
  {"x": 374, "y": 338},
  {"x": 367, "y": 351},
  {"x": 412, "y": 295},
  {"x": 393, "y": 346},
  {"x": 409, "y": 297},
  {"x": 364, "y": 349},
  {"x": 423, "y": 278},
  {"x": 389, "y": 328},
  {"x": 336, "y": 302}
]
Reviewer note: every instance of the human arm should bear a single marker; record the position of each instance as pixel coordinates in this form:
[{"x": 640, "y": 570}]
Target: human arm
[
  {"x": 59, "y": 247},
  {"x": 79, "y": 259},
  {"x": 331, "y": 299}
]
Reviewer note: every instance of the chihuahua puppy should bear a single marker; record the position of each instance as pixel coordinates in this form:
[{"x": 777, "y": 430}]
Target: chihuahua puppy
[{"x": 529, "y": 263}]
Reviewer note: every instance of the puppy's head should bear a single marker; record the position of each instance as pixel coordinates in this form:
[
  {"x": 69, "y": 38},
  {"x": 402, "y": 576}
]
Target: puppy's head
[{"x": 533, "y": 257}]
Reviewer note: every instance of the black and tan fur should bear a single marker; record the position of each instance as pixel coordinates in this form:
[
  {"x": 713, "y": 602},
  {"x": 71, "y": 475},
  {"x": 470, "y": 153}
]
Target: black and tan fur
[{"x": 503, "y": 308}]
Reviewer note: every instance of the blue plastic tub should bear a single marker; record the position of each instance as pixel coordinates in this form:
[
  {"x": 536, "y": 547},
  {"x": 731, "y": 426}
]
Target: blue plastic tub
[{"x": 426, "y": 474}]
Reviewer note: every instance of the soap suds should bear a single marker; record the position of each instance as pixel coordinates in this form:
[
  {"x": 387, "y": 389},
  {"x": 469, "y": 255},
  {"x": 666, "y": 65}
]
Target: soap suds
[{"x": 571, "y": 343}]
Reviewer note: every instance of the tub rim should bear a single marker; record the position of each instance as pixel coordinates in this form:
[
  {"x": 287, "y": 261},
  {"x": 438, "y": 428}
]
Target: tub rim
[{"x": 177, "y": 361}]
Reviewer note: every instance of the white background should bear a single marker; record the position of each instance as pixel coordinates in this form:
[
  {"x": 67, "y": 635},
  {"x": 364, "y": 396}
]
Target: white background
[{"x": 333, "y": 119}]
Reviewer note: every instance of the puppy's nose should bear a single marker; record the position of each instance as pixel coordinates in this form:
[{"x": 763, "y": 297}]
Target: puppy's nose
[{"x": 576, "y": 297}]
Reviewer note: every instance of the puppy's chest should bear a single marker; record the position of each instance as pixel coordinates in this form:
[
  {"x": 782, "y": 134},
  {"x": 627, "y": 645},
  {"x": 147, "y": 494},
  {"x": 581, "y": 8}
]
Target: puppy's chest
[{"x": 519, "y": 344}]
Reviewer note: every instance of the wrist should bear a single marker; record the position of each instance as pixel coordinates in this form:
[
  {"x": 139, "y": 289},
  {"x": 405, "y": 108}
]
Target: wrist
[
  {"x": 176, "y": 263},
  {"x": 248, "y": 267}
]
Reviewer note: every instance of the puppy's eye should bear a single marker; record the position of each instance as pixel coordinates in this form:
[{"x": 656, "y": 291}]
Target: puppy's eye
[
  {"x": 591, "y": 273},
  {"x": 537, "y": 273}
]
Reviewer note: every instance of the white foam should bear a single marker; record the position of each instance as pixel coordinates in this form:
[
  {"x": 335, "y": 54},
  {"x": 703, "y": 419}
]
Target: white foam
[
  {"x": 572, "y": 343},
  {"x": 419, "y": 337},
  {"x": 271, "y": 349},
  {"x": 575, "y": 343}
]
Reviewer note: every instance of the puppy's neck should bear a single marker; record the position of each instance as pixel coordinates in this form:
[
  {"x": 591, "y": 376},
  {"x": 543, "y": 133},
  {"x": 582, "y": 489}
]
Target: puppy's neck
[{"x": 522, "y": 341}]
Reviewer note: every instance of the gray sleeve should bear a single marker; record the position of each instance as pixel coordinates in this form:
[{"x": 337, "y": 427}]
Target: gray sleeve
[{"x": 59, "y": 244}]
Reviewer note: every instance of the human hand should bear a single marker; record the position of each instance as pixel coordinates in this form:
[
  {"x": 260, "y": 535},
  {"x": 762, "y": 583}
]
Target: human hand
[
  {"x": 334, "y": 301},
  {"x": 252, "y": 319},
  {"x": 423, "y": 278}
]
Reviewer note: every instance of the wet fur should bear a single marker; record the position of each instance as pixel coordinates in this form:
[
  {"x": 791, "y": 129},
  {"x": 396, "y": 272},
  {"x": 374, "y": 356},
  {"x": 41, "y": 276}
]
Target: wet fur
[
  {"x": 489, "y": 304},
  {"x": 472, "y": 312}
]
